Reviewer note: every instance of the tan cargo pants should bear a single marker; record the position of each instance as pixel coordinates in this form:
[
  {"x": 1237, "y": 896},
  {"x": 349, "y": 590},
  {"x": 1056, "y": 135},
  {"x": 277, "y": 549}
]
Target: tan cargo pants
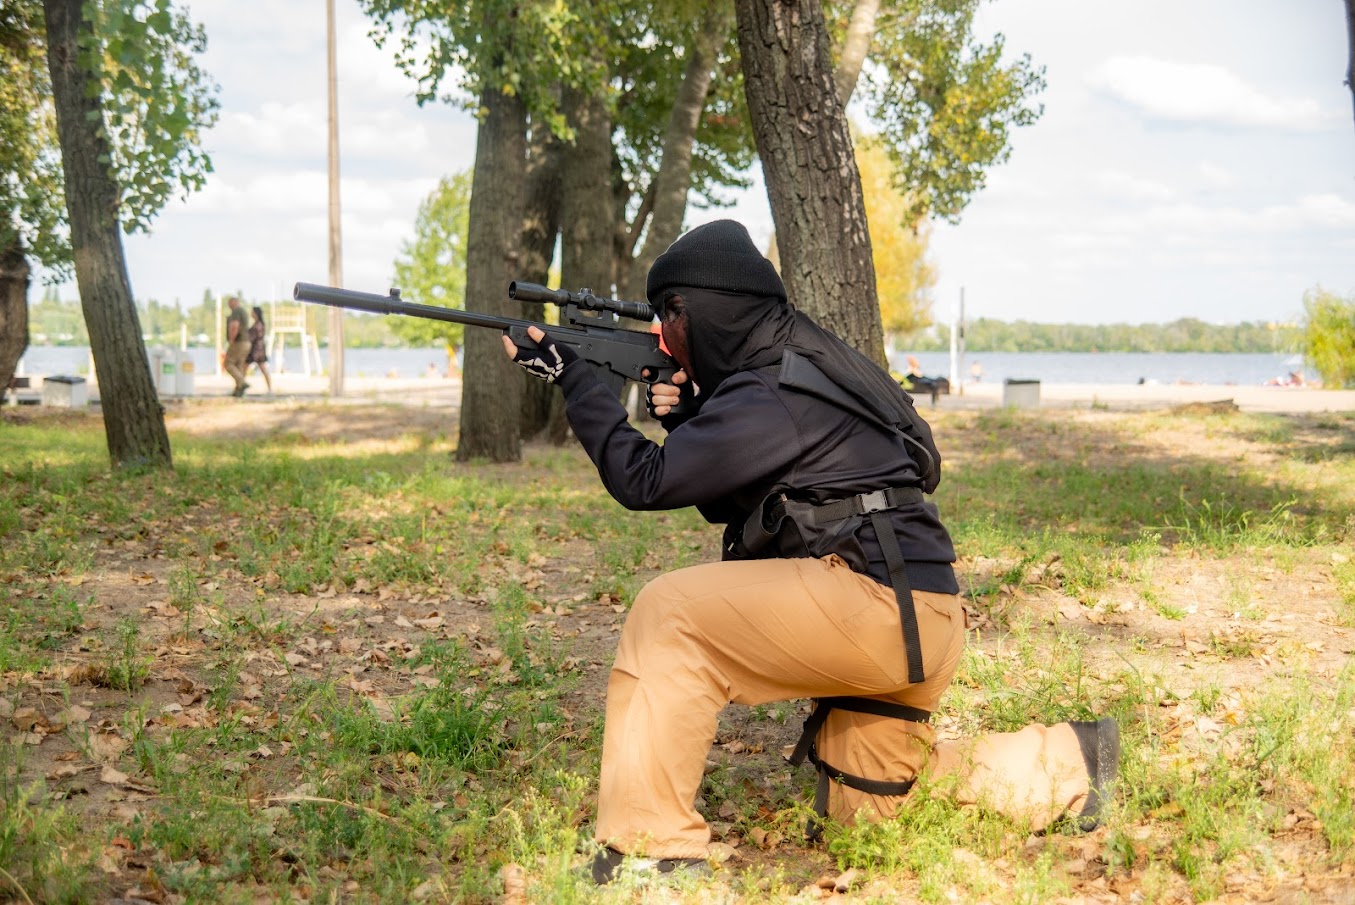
[{"x": 774, "y": 630}]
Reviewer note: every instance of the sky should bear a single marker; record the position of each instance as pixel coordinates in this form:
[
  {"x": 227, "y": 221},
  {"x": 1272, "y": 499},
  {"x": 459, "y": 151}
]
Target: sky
[{"x": 1196, "y": 158}]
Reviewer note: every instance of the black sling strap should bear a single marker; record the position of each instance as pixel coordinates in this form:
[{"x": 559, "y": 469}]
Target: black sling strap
[{"x": 874, "y": 504}]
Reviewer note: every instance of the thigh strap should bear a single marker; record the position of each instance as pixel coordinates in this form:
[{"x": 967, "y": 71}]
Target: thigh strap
[{"x": 805, "y": 750}]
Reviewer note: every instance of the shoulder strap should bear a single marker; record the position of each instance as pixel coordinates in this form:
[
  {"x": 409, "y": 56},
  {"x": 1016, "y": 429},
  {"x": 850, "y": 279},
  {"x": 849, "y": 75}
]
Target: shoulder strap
[{"x": 799, "y": 373}]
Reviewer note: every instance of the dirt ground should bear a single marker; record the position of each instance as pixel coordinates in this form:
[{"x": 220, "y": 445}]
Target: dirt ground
[{"x": 360, "y": 632}]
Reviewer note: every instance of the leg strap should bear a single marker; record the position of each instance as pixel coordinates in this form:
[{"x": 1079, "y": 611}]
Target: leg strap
[
  {"x": 805, "y": 750},
  {"x": 903, "y": 594}
]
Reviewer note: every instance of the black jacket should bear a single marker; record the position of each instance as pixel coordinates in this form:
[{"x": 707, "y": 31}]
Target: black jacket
[{"x": 752, "y": 437}]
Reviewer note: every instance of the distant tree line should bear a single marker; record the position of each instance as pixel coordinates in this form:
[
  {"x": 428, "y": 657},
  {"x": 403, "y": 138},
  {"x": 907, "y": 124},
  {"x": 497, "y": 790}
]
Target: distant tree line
[
  {"x": 57, "y": 322},
  {"x": 1183, "y": 335}
]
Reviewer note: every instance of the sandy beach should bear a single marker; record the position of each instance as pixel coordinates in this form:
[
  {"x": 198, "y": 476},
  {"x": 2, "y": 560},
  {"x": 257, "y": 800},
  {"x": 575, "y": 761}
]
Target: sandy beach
[{"x": 443, "y": 392}]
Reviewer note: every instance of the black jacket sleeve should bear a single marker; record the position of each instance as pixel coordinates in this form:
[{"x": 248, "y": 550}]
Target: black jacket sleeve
[{"x": 741, "y": 437}]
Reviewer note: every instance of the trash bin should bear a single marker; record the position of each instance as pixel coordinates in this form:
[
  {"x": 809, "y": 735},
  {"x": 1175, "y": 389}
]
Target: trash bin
[
  {"x": 171, "y": 371},
  {"x": 1021, "y": 394},
  {"x": 65, "y": 391},
  {"x": 162, "y": 370},
  {"x": 183, "y": 372}
]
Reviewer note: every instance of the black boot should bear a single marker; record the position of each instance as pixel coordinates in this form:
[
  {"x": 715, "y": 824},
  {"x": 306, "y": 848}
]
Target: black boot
[
  {"x": 607, "y": 866},
  {"x": 1100, "y": 744}
]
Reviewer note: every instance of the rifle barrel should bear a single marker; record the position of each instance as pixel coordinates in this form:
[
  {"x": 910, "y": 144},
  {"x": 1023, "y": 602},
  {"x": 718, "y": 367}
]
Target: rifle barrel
[{"x": 384, "y": 304}]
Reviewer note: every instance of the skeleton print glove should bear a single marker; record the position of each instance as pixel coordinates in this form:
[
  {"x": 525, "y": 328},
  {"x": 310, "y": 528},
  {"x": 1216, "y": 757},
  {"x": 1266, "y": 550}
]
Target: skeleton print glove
[{"x": 547, "y": 361}]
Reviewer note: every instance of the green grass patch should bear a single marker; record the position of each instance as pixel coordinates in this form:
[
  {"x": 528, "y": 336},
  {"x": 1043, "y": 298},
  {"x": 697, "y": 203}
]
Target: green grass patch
[{"x": 281, "y": 769}]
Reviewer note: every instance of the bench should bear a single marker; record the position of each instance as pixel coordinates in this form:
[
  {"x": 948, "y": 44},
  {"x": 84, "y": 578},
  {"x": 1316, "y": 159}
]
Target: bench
[{"x": 934, "y": 386}]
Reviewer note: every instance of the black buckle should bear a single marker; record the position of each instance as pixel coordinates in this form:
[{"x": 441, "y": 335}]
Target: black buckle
[{"x": 875, "y": 501}]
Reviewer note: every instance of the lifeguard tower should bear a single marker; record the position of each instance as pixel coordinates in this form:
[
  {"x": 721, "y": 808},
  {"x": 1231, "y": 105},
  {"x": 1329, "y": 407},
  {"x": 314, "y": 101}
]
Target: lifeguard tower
[
  {"x": 290, "y": 320},
  {"x": 284, "y": 319}
]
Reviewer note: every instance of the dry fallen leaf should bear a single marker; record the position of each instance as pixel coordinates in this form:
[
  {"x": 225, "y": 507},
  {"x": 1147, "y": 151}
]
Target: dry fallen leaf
[
  {"x": 107, "y": 748},
  {"x": 514, "y": 885},
  {"x": 111, "y": 776}
]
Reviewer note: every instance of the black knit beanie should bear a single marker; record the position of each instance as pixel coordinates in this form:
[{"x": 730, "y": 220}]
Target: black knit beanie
[{"x": 718, "y": 255}]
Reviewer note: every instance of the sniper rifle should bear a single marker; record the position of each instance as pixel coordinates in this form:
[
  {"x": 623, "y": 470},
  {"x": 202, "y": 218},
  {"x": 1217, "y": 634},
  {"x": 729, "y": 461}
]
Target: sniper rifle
[{"x": 616, "y": 354}]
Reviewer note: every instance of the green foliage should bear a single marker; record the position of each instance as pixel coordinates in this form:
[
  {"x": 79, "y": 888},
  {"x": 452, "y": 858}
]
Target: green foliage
[
  {"x": 632, "y": 55},
  {"x": 431, "y": 269},
  {"x": 32, "y": 207},
  {"x": 125, "y": 668},
  {"x": 157, "y": 104},
  {"x": 44, "y": 853},
  {"x": 508, "y": 46},
  {"x": 944, "y": 102},
  {"x": 1329, "y": 336}
]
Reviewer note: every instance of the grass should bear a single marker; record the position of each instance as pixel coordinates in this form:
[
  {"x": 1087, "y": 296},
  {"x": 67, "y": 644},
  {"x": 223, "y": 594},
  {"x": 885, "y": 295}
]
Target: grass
[{"x": 361, "y": 672}]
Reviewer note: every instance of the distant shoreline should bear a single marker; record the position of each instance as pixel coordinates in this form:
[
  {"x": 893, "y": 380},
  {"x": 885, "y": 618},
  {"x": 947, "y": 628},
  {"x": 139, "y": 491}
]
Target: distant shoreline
[{"x": 445, "y": 392}]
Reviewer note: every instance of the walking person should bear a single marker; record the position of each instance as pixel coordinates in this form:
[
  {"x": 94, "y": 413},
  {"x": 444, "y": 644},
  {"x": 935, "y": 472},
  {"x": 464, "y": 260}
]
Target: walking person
[
  {"x": 237, "y": 345},
  {"x": 837, "y": 579},
  {"x": 258, "y": 347}
]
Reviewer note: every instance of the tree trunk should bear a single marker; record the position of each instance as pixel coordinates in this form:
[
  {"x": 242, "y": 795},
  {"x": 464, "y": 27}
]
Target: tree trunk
[
  {"x": 14, "y": 280},
  {"x": 674, "y": 178},
  {"x": 855, "y": 46},
  {"x": 587, "y": 207},
  {"x": 491, "y": 385},
  {"x": 586, "y": 202},
  {"x": 1350, "y": 35},
  {"x": 134, "y": 420},
  {"x": 540, "y": 227},
  {"x": 813, "y": 185}
]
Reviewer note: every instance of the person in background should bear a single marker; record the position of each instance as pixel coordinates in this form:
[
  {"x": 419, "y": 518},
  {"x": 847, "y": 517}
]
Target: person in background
[
  {"x": 258, "y": 348},
  {"x": 976, "y": 372},
  {"x": 237, "y": 345}
]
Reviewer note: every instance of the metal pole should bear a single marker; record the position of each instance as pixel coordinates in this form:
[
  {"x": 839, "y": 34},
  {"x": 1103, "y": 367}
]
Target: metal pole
[
  {"x": 335, "y": 240},
  {"x": 959, "y": 365},
  {"x": 955, "y": 345}
]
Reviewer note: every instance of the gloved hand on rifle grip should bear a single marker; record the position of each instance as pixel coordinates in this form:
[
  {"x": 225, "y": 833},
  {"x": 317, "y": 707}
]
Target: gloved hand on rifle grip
[{"x": 547, "y": 361}]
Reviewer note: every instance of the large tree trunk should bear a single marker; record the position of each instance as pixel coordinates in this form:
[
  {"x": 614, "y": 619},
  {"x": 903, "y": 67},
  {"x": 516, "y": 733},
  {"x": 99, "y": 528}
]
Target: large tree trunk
[
  {"x": 586, "y": 204},
  {"x": 134, "y": 420},
  {"x": 491, "y": 385},
  {"x": 813, "y": 185},
  {"x": 14, "y": 280},
  {"x": 540, "y": 227},
  {"x": 587, "y": 207},
  {"x": 668, "y": 203},
  {"x": 1350, "y": 35}
]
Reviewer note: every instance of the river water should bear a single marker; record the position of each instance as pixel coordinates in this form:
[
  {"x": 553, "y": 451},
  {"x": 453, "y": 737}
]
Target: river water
[{"x": 1048, "y": 367}]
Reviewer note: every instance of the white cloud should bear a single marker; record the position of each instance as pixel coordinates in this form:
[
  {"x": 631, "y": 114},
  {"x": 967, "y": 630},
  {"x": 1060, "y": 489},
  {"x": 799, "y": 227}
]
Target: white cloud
[
  {"x": 298, "y": 131},
  {"x": 1128, "y": 187},
  {"x": 1201, "y": 94},
  {"x": 1216, "y": 176}
]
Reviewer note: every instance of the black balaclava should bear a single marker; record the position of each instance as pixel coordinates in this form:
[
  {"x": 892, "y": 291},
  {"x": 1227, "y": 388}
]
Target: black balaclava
[
  {"x": 739, "y": 320},
  {"x": 737, "y": 316}
]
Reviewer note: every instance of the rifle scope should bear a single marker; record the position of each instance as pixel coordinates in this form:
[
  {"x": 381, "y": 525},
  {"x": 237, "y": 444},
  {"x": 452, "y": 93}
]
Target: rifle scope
[{"x": 535, "y": 292}]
